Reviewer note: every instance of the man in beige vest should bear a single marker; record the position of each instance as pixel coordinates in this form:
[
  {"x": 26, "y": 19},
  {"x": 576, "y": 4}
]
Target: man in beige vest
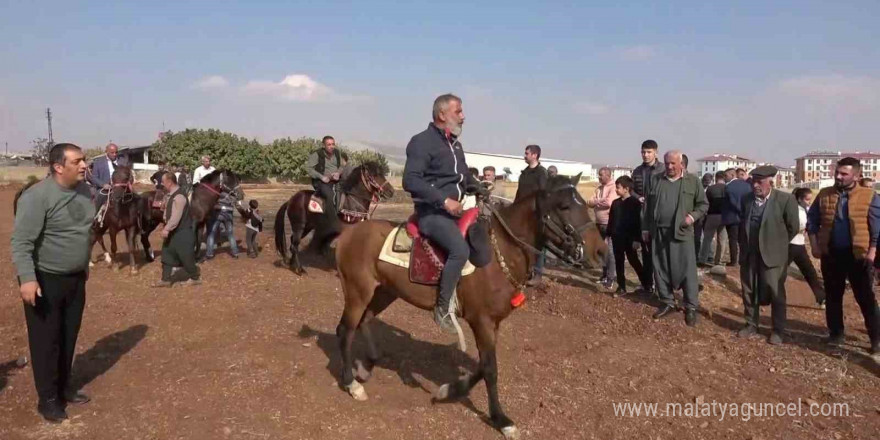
[{"x": 843, "y": 224}]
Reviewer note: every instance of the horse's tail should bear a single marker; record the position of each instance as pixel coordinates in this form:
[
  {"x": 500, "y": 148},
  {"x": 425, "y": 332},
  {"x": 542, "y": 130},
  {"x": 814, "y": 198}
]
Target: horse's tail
[{"x": 280, "y": 236}]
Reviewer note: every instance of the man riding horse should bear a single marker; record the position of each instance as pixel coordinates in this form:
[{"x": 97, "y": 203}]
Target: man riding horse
[
  {"x": 102, "y": 171},
  {"x": 436, "y": 176},
  {"x": 325, "y": 168}
]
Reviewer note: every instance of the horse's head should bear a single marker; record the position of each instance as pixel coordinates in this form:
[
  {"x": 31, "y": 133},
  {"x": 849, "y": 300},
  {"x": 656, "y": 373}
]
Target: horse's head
[
  {"x": 564, "y": 214},
  {"x": 373, "y": 179},
  {"x": 120, "y": 184},
  {"x": 225, "y": 181}
]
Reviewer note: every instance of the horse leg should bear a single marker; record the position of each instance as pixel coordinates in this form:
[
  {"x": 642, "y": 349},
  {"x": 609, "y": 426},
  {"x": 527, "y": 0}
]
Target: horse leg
[
  {"x": 382, "y": 298},
  {"x": 145, "y": 241},
  {"x": 486, "y": 333},
  {"x": 298, "y": 229},
  {"x": 356, "y": 296},
  {"x": 113, "y": 264},
  {"x": 130, "y": 237}
]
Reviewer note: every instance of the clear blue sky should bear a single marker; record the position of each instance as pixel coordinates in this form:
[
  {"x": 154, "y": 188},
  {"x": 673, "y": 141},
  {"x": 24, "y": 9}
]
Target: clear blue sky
[{"x": 586, "y": 82}]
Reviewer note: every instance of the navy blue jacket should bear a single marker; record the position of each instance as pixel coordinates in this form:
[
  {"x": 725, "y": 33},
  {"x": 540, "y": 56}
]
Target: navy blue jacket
[
  {"x": 435, "y": 168},
  {"x": 736, "y": 191}
]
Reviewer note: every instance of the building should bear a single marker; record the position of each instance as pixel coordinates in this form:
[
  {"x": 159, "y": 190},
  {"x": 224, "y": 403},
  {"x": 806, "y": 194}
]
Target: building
[
  {"x": 140, "y": 161},
  {"x": 616, "y": 171},
  {"x": 785, "y": 176},
  {"x": 720, "y": 162},
  {"x": 509, "y": 166},
  {"x": 820, "y": 165}
]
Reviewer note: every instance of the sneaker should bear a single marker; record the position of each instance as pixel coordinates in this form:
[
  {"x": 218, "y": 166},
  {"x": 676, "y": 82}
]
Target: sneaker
[
  {"x": 444, "y": 319},
  {"x": 252, "y": 255},
  {"x": 608, "y": 283},
  {"x": 775, "y": 338},
  {"x": 191, "y": 283},
  {"x": 619, "y": 292}
]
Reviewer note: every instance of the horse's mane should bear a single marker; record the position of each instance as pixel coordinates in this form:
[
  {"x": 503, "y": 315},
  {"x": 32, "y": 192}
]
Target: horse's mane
[
  {"x": 371, "y": 167},
  {"x": 121, "y": 172}
]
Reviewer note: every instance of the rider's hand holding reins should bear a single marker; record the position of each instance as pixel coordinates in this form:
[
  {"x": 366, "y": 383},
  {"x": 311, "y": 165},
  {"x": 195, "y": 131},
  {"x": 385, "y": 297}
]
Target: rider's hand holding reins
[{"x": 453, "y": 207}]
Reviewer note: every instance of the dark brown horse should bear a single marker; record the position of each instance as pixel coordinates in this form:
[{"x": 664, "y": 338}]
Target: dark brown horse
[
  {"x": 122, "y": 214},
  {"x": 151, "y": 217},
  {"x": 363, "y": 187},
  {"x": 205, "y": 196},
  {"x": 552, "y": 217}
]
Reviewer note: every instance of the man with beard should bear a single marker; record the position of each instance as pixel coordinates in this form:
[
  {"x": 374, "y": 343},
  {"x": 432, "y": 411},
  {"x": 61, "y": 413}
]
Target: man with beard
[
  {"x": 436, "y": 176},
  {"x": 50, "y": 249},
  {"x": 770, "y": 221},
  {"x": 641, "y": 187},
  {"x": 676, "y": 201},
  {"x": 843, "y": 224}
]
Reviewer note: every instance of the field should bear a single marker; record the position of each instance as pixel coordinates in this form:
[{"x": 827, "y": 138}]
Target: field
[{"x": 251, "y": 354}]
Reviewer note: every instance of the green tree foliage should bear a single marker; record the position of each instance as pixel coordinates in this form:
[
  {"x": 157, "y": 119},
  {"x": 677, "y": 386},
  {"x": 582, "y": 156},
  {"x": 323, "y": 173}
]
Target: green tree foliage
[
  {"x": 361, "y": 156},
  {"x": 288, "y": 157},
  {"x": 283, "y": 158},
  {"x": 40, "y": 150}
]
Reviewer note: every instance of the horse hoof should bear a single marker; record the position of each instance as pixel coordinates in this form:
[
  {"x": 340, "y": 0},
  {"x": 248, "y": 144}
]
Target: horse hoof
[
  {"x": 442, "y": 393},
  {"x": 510, "y": 432},
  {"x": 361, "y": 373},
  {"x": 91, "y": 264},
  {"x": 356, "y": 390},
  {"x": 107, "y": 259},
  {"x": 134, "y": 271}
]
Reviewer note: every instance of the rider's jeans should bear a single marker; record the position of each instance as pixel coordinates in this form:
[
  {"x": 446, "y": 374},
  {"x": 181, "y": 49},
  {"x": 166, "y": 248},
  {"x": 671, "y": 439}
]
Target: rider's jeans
[
  {"x": 443, "y": 231},
  {"x": 226, "y": 219}
]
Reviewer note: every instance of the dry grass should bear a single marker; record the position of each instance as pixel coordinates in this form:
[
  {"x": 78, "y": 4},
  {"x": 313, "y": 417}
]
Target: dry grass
[{"x": 20, "y": 174}]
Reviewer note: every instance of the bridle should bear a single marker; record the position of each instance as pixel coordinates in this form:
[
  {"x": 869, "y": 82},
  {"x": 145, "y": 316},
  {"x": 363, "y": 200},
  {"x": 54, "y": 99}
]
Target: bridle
[
  {"x": 222, "y": 186},
  {"x": 374, "y": 189},
  {"x": 571, "y": 248}
]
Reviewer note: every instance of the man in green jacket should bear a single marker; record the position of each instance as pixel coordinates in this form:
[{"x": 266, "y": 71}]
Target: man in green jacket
[
  {"x": 50, "y": 249},
  {"x": 675, "y": 202},
  {"x": 769, "y": 222}
]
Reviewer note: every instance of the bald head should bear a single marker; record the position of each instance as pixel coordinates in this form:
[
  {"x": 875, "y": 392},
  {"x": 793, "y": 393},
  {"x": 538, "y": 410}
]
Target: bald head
[
  {"x": 112, "y": 151},
  {"x": 673, "y": 163}
]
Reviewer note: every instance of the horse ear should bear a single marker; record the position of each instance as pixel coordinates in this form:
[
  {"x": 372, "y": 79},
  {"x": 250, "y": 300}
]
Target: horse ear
[{"x": 576, "y": 179}]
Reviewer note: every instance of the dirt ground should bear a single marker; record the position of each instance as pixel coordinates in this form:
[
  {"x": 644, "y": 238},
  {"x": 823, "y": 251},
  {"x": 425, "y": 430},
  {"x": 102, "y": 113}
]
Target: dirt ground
[{"x": 251, "y": 354}]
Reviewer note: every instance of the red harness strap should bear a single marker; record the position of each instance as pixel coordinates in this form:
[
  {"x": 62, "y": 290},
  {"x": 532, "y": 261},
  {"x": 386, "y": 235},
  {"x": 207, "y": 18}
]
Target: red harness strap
[{"x": 210, "y": 188}]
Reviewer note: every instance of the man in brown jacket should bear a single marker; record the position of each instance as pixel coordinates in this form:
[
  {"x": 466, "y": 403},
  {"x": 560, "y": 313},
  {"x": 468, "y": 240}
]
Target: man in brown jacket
[{"x": 843, "y": 224}]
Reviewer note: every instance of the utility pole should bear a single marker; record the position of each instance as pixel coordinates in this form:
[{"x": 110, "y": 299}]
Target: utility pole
[{"x": 49, "y": 118}]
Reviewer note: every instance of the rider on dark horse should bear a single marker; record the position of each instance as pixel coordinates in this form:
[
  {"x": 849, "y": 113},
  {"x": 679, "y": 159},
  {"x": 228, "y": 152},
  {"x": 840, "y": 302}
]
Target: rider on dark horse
[
  {"x": 102, "y": 172},
  {"x": 436, "y": 176},
  {"x": 325, "y": 167}
]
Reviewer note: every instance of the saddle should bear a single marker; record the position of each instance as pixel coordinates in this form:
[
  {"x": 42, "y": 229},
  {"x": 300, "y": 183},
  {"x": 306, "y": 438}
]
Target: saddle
[
  {"x": 345, "y": 213},
  {"x": 426, "y": 260}
]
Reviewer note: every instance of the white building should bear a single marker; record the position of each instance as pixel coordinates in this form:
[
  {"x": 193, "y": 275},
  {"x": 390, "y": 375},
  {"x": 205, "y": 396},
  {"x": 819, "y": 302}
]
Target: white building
[
  {"x": 820, "y": 165},
  {"x": 720, "y": 162},
  {"x": 511, "y": 166},
  {"x": 616, "y": 171}
]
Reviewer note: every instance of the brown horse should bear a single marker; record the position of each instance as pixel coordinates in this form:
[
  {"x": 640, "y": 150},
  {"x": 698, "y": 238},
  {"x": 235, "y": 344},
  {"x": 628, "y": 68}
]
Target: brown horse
[
  {"x": 151, "y": 217},
  {"x": 552, "y": 217},
  {"x": 205, "y": 196},
  {"x": 122, "y": 215},
  {"x": 364, "y": 186}
]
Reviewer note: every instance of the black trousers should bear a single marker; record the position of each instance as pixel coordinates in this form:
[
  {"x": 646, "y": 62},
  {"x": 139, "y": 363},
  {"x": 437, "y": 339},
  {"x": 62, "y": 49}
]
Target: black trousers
[
  {"x": 325, "y": 190},
  {"x": 624, "y": 247},
  {"x": 767, "y": 283},
  {"x": 442, "y": 229},
  {"x": 648, "y": 268},
  {"x": 733, "y": 242},
  {"x": 251, "y": 240},
  {"x": 797, "y": 253},
  {"x": 53, "y": 326},
  {"x": 698, "y": 234},
  {"x": 837, "y": 267}
]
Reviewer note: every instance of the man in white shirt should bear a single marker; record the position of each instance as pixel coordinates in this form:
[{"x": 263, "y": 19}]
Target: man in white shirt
[
  {"x": 203, "y": 170},
  {"x": 797, "y": 250}
]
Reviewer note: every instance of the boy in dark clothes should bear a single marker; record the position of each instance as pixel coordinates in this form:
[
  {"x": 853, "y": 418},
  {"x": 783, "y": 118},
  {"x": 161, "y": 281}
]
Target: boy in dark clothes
[
  {"x": 624, "y": 226},
  {"x": 253, "y": 226}
]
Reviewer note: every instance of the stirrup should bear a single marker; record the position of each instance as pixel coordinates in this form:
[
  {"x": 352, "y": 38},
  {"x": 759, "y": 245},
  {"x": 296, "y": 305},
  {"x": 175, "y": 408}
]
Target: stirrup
[{"x": 452, "y": 313}]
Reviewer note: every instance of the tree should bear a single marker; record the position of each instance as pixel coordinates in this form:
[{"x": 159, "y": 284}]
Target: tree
[
  {"x": 288, "y": 158},
  {"x": 40, "y": 150},
  {"x": 227, "y": 150},
  {"x": 361, "y": 156},
  {"x": 92, "y": 153}
]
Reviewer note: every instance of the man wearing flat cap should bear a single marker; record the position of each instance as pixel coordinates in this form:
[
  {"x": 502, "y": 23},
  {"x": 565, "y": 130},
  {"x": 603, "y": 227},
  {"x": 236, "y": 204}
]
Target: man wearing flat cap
[{"x": 769, "y": 222}]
